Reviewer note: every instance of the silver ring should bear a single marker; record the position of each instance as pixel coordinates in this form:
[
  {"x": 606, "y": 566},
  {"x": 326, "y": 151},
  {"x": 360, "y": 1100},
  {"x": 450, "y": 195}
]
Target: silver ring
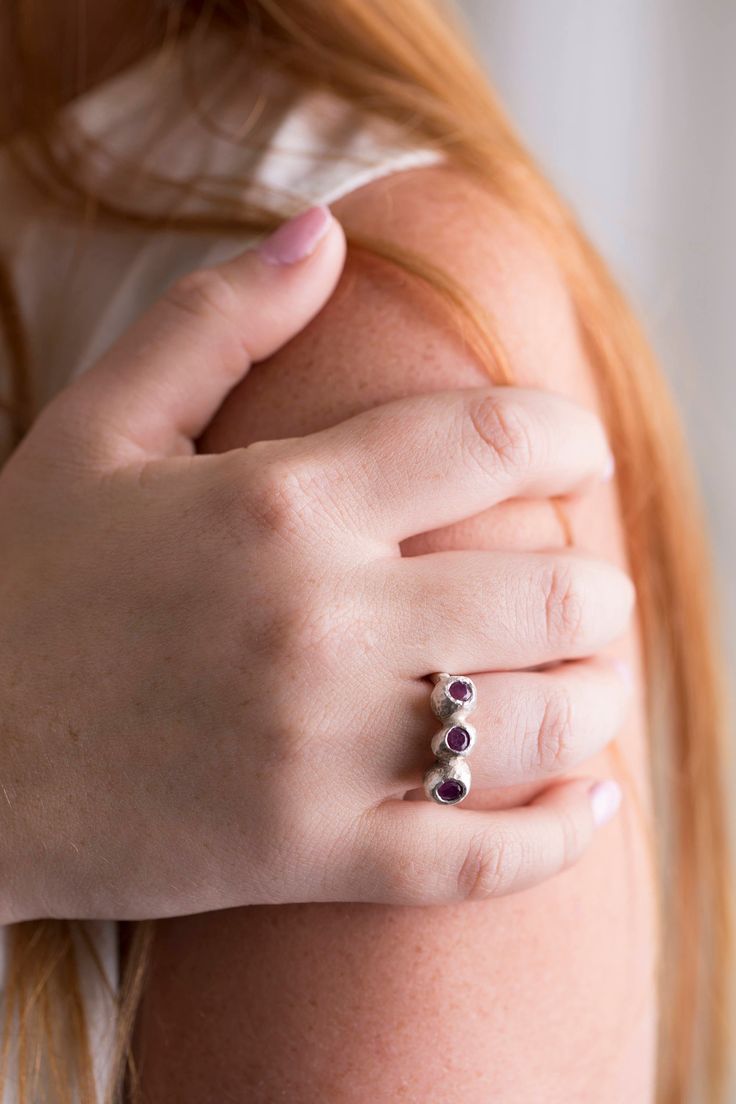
[{"x": 453, "y": 699}]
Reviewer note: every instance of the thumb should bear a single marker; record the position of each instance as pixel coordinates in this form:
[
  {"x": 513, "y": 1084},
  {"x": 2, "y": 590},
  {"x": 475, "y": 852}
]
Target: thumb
[{"x": 160, "y": 385}]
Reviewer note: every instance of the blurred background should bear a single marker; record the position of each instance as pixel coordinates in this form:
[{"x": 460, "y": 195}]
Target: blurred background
[{"x": 629, "y": 106}]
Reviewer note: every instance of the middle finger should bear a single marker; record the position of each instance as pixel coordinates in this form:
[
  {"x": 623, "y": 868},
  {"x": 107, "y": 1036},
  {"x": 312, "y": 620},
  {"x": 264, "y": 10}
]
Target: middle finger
[{"x": 485, "y": 611}]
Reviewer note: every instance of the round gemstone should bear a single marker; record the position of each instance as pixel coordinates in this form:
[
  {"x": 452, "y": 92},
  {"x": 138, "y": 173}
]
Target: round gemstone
[
  {"x": 460, "y": 691},
  {"x": 450, "y": 790},
  {"x": 458, "y": 739}
]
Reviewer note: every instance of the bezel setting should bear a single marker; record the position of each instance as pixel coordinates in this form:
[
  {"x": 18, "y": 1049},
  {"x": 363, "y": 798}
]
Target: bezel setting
[
  {"x": 444, "y": 772},
  {"x": 445, "y": 704},
  {"x": 444, "y": 748}
]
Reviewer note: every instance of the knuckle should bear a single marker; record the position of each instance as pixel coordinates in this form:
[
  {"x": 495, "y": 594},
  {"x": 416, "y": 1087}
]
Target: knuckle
[
  {"x": 203, "y": 293},
  {"x": 491, "y": 866},
  {"x": 500, "y": 433},
  {"x": 313, "y": 628},
  {"x": 280, "y": 494},
  {"x": 555, "y": 734},
  {"x": 563, "y": 605}
]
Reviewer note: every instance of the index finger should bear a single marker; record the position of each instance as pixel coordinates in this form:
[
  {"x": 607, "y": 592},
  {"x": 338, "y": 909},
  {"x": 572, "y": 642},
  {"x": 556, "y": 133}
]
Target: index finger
[{"x": 421, "y": 463}]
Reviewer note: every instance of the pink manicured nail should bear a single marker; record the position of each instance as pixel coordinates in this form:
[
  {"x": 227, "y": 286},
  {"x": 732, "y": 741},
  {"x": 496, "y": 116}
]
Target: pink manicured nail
[
  {"x": 605, "y": 798},
  {"x": 626, "y": 672},
  {"x": 609, "y": 470},
  {"x": 296, "y": 239}
]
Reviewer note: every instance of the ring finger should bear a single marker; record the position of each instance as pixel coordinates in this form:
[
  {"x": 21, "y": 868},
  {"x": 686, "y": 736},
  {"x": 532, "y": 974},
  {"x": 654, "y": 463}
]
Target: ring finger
[{"x": 529, "y": 725}]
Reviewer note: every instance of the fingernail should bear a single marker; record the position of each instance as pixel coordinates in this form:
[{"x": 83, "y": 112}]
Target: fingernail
[
  {"x": 296, "y": 239},
  {"x": 605, "y": 798},
  {"x": 625, "y": 671},
  {"x": 609, "y": 469}
]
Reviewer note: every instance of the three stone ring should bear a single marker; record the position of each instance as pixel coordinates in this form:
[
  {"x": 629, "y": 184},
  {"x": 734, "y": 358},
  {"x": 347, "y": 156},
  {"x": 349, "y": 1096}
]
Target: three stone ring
[{"x": 453, "y": 699}]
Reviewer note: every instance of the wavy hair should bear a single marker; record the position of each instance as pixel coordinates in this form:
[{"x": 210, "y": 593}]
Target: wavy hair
[{"x": 402, "y": 59}]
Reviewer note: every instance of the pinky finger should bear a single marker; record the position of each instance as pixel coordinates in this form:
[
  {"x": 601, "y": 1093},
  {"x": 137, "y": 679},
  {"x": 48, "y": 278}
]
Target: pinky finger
[{"x": 422, "y": 854}]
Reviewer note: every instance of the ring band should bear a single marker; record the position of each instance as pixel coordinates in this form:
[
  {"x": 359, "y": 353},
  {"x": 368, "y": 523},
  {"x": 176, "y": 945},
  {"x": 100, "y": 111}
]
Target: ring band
[{"x": 454, "y": 697}]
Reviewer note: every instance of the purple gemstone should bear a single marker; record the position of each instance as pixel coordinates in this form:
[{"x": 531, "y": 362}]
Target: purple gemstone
[
  {"x": 450, "y": 790},
  {"x": 460, "y": 691},
  {"x": 458, "y": 739}
]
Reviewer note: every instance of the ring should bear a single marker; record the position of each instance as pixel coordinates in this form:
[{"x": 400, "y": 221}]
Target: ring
[{"x": 453, "y": 699}]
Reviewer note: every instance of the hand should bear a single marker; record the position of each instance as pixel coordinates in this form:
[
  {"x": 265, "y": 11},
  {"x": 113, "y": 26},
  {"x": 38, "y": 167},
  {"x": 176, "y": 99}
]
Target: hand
[{"x": 211, "y": 666}]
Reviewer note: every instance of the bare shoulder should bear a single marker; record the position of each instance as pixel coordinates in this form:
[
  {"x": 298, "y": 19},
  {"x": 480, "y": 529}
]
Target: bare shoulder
[
  {"x": 382, "y": 326},
  {"x": 462, "y": 228},
  {"x": 555, "y": 986},
  {"x": 384, "y": 335}
]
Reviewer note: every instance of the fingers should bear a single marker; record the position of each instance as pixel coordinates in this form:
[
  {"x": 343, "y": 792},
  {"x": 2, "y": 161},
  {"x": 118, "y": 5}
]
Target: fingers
[
  {"x": 425, "y": 462},
  {"x": 417, "y": 853},
  {"x": 533, "y": 725},
  {"x": 160, "y": 385},
  {"x": 483, "y": 611}
]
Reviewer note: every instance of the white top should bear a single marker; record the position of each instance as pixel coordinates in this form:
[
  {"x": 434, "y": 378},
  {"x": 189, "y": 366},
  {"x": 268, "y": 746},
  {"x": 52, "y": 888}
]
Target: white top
[{"x": 79, "y": 289}]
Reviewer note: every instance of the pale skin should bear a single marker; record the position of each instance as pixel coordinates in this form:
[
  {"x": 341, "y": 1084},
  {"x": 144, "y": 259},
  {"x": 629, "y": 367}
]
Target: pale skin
[
  {"x": 123, "y": 551},
  {"x": 552, "y": 987},
  {"x": 546, "y": 995}
]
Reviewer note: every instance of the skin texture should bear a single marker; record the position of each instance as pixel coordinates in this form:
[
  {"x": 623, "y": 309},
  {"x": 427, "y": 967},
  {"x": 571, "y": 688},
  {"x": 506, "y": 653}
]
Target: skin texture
[
  {"x": 286, "y": 555},
  {"x": 544, "y": 995}
]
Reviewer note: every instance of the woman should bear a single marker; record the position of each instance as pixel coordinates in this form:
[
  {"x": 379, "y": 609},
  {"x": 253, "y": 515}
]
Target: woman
[{"x": 464, "y": 266}]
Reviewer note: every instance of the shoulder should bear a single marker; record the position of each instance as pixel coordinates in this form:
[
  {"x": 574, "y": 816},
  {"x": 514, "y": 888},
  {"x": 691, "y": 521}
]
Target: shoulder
[
  {"x": 456, "y": 223},
  {"x": 384, "y": 335}
]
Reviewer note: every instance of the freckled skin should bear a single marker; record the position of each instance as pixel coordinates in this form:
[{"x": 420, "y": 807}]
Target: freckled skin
[{"x": 543, "y": 996}]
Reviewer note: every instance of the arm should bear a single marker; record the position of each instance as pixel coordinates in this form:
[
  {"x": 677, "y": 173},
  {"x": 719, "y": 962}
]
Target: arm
[{"x": 547, "y": 995}]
